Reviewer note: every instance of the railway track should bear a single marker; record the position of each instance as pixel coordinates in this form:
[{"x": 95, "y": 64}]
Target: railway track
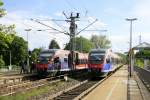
[
  {"x": 79, "y": 91},
  {"x": 21, "y": 87},
  {"x": 76, "y": 90},
  {"x": 13, "y": 79},
  {"x": 71, "y": 94}
]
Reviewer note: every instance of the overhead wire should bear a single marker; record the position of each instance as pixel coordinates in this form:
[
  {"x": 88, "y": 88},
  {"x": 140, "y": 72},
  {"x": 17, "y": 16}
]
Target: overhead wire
[{"x": 21, "y": 21}]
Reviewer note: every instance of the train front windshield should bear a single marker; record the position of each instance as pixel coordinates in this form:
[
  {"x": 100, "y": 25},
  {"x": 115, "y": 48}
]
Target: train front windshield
[
  {"x": 96, "y": 58},
  {"x": 45, "y": 57}
]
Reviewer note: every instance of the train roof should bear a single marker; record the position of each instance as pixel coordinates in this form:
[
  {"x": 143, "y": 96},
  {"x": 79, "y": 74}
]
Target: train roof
[
  {"x": 99, "y": 50},
  {"x": 50, "y": 50}
]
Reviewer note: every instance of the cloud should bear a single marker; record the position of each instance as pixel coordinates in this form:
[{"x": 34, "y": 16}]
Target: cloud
[
  {"x": 141, "y": 9},
  {"x": 141, "y": 26},
  {"x": 112, "y": 11},
  {"x": 142, "y": 13},
  {"x": 36, "y": 39},
  {"x": 59, "y": 14},
  {"x": 98, "y": 24}
]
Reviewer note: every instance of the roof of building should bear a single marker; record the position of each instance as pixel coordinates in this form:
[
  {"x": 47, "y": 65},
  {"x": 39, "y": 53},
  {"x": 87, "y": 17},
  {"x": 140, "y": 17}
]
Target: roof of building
[{"x": 143, "y": 45}]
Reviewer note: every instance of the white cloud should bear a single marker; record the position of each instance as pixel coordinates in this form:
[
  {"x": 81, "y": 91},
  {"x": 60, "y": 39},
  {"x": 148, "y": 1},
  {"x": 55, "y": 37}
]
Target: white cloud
[
  {"x": 59, "y": 14},
  {"x": 36, "y": 39},
  {"x": 99, "y": 24},
  {"x": 112, "y": 11},
  {"x": 141, "y": 9},
  {"x": 141, "y": 26}
]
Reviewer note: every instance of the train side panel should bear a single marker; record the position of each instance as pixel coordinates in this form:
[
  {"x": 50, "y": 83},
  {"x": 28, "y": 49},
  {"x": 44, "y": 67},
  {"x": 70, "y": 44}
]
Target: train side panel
[{"x": 101, "y": 61}]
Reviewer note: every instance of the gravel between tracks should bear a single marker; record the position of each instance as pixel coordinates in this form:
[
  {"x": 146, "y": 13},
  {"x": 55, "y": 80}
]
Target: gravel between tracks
[{"x": 56, "y": 88}]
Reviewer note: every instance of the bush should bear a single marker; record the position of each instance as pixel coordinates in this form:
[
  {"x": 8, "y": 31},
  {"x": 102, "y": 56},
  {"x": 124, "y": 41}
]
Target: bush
[{"x": 139, "y": 63}]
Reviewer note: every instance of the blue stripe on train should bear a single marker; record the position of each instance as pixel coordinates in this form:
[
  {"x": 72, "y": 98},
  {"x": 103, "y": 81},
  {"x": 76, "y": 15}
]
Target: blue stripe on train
[{"x": 106, "y": 67}]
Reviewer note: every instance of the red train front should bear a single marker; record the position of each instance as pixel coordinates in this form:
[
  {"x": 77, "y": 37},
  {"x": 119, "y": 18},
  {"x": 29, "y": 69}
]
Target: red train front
[{"x": 57, "y": 60}]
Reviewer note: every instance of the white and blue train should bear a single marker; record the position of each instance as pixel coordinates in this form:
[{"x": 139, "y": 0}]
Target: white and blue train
[{"x": 102, "y": 61}]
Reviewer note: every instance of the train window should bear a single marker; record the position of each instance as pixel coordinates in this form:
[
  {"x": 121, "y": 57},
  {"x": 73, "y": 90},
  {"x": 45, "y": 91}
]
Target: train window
[
  {"x": 80, "y": 61},
  {"x": 84, "y": 61},
  {"x": 65, "y": 60}
]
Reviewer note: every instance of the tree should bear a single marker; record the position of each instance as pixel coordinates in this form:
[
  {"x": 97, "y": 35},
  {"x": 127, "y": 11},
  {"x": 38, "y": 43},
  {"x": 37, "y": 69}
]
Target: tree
[
  {"x": 7, "y": 34},
  {"x": 35, "y": 54},
  {"x": 2, "y": 11},
  {"x": 142, "y": 54},
  {"x": 100, "y": 41},
  {"x": 53, "y": 45},
  {"x": 81, "y": 44},
  {"x": 19, "y": 50}
]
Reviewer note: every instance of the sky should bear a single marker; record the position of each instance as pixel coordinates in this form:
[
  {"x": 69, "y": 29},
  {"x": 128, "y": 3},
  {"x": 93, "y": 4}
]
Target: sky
[{"x": 111, "y": 15}]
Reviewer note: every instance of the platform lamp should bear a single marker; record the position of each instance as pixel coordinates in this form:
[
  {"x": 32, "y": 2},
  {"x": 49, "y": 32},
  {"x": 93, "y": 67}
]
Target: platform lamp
[{"x": 130, "y": 50}]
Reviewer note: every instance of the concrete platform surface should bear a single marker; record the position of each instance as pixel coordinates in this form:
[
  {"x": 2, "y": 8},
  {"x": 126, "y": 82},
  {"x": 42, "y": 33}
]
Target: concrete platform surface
[{"x": 117, "y": 87}]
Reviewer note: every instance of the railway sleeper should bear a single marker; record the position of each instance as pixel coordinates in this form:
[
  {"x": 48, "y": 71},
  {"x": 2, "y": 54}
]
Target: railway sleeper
[
  {"x": 74, "y": 93},
  {"x": 66, "y": 98}
]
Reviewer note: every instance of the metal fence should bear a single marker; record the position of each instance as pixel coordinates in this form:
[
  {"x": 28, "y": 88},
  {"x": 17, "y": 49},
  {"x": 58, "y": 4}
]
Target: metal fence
[
  {"x": 144, "y": 76},
  {"x": 6, "y": 68}
]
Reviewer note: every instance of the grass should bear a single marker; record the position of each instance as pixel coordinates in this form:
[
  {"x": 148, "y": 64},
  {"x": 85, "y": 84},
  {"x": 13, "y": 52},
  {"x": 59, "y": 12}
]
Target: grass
[{"x": 33, "y": 92}]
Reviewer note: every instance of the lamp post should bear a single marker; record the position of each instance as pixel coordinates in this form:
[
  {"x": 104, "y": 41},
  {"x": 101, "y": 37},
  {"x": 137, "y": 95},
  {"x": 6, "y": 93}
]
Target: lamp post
[
  {"x": 28, "y": 60},
  {"x": 130, "y": 51}
]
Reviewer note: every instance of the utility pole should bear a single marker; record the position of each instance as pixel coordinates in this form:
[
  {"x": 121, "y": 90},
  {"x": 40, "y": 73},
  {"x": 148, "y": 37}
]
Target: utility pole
[
  {"x": 130, "y": 51},
  {"x": 72, "y": 33},
  {"x": 28, "y": 60},
  {"x": 72, "y": 29}
]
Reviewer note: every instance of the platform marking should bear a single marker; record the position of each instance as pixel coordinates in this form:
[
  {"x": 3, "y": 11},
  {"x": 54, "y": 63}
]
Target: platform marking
[{"x": 110, "y": 93}]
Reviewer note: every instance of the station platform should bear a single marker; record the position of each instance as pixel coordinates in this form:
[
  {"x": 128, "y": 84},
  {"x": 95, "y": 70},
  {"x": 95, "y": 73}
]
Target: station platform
[{"x": 120, "y": 86}]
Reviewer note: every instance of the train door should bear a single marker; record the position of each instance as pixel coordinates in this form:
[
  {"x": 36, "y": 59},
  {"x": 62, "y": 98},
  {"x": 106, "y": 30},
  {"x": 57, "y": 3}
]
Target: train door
[{"x": 64, "y": 64}]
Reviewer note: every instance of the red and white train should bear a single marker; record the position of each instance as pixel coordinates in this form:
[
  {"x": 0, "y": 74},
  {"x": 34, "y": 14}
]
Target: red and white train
[
  {"x": 98, "y": 61},
  {"x": 58, "y": 60},
  {"x": 102, "y": 61}
]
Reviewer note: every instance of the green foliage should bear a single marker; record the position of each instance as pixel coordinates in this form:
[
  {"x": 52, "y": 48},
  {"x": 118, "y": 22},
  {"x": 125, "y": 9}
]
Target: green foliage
[
  {"x": 7, "y": 34},
  {"x": 19, "y": 50},
  {"x": 53, "y": 45},
  {"x": 35, "y": 54},
  {"x": 2, "y": 63},
  {"x": 143, "y": 54},
  {"x": 100, "y": 41},
  {"x": 81, "y": 44},
  {"x": 10, "y": 42},
  {"x": 139, "y": 62},
  {"x": 2, "y": 11},
  {"x": 140, "y": 56}
]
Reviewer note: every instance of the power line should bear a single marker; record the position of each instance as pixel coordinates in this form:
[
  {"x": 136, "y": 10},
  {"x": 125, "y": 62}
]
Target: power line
[
  {"x": 60, "y": 26},
  {"x": 9, "y": 18},
  {"x": 50, "y": 27}
]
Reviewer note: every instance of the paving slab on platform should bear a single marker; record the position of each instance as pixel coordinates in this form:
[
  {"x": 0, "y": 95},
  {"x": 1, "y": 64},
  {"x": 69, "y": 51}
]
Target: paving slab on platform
[{"x": 117, "y": 87}]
